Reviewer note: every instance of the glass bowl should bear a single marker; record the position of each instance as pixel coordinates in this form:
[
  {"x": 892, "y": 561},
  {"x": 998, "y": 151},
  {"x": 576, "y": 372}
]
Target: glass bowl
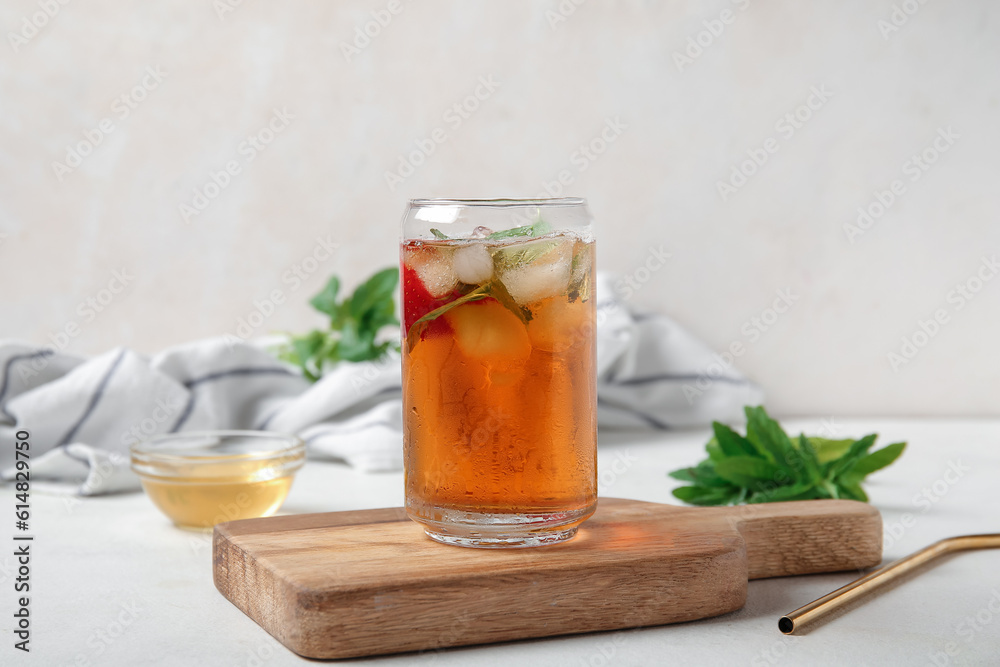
[{"x": 203, "y": 478}]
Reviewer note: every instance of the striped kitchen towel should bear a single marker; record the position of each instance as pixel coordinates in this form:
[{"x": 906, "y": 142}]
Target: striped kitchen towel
[{"x": 84, "y": 413}]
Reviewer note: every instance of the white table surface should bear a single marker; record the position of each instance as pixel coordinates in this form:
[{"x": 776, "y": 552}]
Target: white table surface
[{"x": 114, "y": 583}]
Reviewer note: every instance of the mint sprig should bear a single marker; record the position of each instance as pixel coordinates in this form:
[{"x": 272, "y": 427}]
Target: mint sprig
[
  {"x": 766, "y": 465},
  {"x": 355, "y": 323},
  {"x": 493, "y": 288},
  {"x": 537, "y": 228},
  {"x": 417, "y": 328}
]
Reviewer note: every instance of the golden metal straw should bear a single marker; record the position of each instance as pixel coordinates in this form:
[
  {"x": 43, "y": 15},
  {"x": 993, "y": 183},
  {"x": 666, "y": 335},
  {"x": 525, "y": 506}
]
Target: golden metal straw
[{"x": 817, "y": 609}]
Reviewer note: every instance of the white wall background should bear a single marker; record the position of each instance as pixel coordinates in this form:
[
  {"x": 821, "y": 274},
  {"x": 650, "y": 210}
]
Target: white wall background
[{"x": 656, "y": 184}]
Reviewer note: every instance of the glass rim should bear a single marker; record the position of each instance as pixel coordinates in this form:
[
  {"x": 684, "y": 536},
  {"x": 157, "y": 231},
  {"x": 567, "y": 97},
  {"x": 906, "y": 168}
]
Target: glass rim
[
  {"x": 501, "y": 202},
  {"x": 153, "y": 450}
]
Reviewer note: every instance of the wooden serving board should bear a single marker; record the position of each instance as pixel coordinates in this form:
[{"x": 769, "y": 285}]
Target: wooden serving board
[{"x": 349, "y": 584}]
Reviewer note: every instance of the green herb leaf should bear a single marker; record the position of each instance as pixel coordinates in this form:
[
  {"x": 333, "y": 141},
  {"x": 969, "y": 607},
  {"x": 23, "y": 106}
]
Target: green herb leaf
[
  {"x": 493, "y": 288},
  {"x": 731, "y": 442},
  {"x": 829, "y": 450},
  {"x": 355, "y": 324},
  {"x": 538, "y": 228},
  {"x": 355, "y": 343},
  {"x": 326, "y": 301},
  {"x": 715, "y": 452},
  {"x": 767, "y": 466},
  {"x": 301, "y": 349},
  {"x": 683, "y": 474},
  {"x": 524, "y": 230},
  {"x": 499, "y": 291},
  {"x": 438, "y": 234},
  {"x": 878, "y": 459},
  {"x": 773, "y": 443},
  {"x": 705, "y": 474},
  {"x": 748, "y": 471},
  {"x": 374, "y": 292},
  {"x": 852, "y": 491},
  {"x": 800, "y": 491},
  {"x": 853, "y": 455},
  {"x": 699, "y": 495},
  {"x": 475, "y": 295},
  {"x": 812, "y": 469},
  {"x": 702, "y": 475},
  {"x": 418, "y": 327}
]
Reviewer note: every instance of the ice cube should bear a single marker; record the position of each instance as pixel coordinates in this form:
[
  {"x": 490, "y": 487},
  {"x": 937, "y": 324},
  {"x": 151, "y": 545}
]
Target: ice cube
[
  {"x": 433, "y": 265},
  {"x": 473, "y": 264},
  {"x": 582, "y": 259},
  {"x": 535, "y": 269}
]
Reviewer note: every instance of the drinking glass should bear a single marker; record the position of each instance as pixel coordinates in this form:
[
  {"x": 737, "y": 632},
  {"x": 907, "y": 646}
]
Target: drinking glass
[{"x": 499, "y": 394}]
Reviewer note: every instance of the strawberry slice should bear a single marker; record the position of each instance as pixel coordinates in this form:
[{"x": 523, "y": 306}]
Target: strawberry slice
[{"x": 417, "y": 302}]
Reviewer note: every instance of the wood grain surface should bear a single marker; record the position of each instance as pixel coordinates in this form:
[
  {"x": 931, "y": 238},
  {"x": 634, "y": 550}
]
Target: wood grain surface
[{"x": 348, "y": 584}]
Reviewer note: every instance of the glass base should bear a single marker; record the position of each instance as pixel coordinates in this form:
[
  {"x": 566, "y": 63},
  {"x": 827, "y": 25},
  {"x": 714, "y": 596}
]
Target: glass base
[{"x": 487, "y": 530}]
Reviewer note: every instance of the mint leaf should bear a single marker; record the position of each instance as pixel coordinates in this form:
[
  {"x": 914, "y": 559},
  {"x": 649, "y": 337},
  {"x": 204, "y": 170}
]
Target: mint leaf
[
  {"x": 355, "y": 342},
  {"x": 374, "y": 292},
  {"x": 355, "y": 324},
  {"x": 852, "y": 491},
  {"x": 732, "y": 443},
  {"x": 683, "y": 474},
  {"x": 326, "y": 301},
  {"x": 767, "y": 466},
  {"x": 699, "y": 495},
  {"x": 812, "y": 469},
  {"x": 877, "y": 459},
  {"x": 382, "y": 314},
  {"x": 853, "y": 455},
  {"x": 480, "y": 292},
  {"x": 767, "y": 437},
  {"x": 715, "y": 452},
  {"x": 524, "y": 230},
  {"x": 705, "y": 474},
  {"x": 704, "y": 477},
  {"x": 748, "y": 471},
  {"x": 538, "y": 228},
  {"x": 418, "y": 327},
  {"x": 499, "y": 291},
  {"x": 301, "y": 349},
  {"x": 438, "y": 234},
  {"x": 800, "y": 491},
  {"x": 493, "y": 288},
  {"x": 829, "y": 450}
]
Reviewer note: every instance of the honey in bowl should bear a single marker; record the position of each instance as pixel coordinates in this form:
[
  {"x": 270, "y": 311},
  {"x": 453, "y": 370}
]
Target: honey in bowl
[{"x": 201, "y": 479}]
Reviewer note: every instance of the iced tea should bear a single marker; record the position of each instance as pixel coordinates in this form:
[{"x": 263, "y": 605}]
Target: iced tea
[{"x": 498, "y": 385}]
